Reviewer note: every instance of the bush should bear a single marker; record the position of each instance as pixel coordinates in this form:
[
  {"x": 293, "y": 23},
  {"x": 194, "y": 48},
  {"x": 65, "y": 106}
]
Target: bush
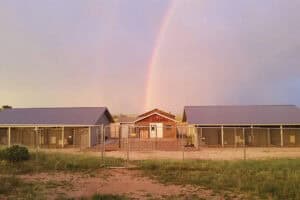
[
  {"x": 15, "y": 154},
  {"x": 2, "y": 157}
]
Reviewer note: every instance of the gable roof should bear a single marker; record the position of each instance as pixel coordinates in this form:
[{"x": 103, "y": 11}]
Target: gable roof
[
  {"x": 126, "y": 119},
  {"x": 157, "y": 112},
  {"x": 169, "y": 115},
  {"x": 242, "y": 115},
  {"x": 54, "y": 116}
]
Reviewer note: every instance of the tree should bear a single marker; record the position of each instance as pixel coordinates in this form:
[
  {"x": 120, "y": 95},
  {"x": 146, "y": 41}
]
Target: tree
[{"x": 6, "y": 107}]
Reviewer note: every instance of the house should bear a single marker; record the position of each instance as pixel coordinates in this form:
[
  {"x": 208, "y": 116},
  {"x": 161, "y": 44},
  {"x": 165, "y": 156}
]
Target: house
[
  {"x": 255, "y": 125},
  {"x": 53, "y": 127},
  {"x": 120, "y": 128},
  {"x": 155, "y": 124}
]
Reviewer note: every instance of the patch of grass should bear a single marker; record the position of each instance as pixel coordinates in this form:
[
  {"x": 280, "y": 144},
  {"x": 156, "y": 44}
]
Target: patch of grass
[
  {"x": 8, "y": 184},
  {"x": 109, "y": 197},
  {"x": 41, "y": 162},
  {"x": 276, "y": 179},
  {"x": 14, "y": 187}
]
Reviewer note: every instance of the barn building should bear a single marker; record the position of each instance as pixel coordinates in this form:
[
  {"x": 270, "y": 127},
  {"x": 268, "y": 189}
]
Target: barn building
[
  {"x": 156, "y": 124},
  {"x": 53, "y": 127},
  {"x": 257, "y": 125}
]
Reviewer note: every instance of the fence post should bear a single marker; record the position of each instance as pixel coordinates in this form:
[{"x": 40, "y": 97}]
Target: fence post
[
  {"x": 102, "y": 142},
  {"x": 120, "y": 135},
  {"x": 281, "y": 136},
  {"x": 74, "y": 139},
  {"x": 182, "y": 145},
  {"x": 36, "y": 134},
  {"x": 62, "y": 137},
  {"x": 9, "y": 136},
  {"x": 222, "y": 136},
  {"x": 244, "y": 143},
  {"x": 269, "y": 137},
  {"x": 235, "y": 143},
  {"x": 104, "y": 134},
  {"x": 155, "y": 137},
  {"x": 128, "y": 148}
]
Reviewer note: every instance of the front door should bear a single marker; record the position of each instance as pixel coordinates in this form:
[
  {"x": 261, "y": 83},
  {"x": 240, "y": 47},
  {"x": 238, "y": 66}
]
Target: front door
[{"x": 156, "y": 130}]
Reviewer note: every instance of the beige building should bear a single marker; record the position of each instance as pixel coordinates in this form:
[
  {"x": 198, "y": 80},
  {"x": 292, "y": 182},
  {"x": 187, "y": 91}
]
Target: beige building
[
  {"x": 257, "y": 125},
  {"x": 53, "y": 127}
]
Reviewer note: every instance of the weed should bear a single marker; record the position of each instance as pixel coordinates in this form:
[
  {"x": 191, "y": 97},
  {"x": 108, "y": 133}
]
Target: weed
[{"x": 278, "y": 179}]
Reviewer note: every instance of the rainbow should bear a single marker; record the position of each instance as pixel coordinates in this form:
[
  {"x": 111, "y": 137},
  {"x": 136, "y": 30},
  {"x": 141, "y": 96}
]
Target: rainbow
[{"x": 154, "y": 56}]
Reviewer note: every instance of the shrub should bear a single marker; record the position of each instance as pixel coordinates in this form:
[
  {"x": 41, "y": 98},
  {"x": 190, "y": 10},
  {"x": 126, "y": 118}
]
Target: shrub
[
  {"x": 2, "y": 157},
  {"x": 15, "y": 154}
]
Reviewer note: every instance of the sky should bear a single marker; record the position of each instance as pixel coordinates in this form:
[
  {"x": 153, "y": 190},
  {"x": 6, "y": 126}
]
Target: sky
[{"x": 133, "y": 55}]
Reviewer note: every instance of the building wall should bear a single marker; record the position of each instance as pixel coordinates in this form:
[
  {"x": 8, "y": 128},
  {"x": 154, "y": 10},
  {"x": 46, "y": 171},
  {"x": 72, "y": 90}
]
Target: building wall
[
  {"x": 229, "y": 137},
  {"x": 3, "y": 136},
  {"x": 68, "y": 137},
  {"x": 275, "y": 137},
  {"x": 51, "y": 137},
  {"x": 260, "y": 137},
  {"x": 96, "y": 133},
  {"x": 169, "y": 126},
  {"x": 211, "y": 136},
  {"x": 104, "y": 120},
  {"x": 81, "y": 137},
  {"x": 23, "y": 136},
  {"x": 291, "y": 137}
]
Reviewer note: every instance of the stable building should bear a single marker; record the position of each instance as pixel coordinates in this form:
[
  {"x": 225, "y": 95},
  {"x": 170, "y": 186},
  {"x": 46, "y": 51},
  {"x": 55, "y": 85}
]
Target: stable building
[
  {"x": 255, "y": 125},
  {"x": 156, "y": 124},
  {"x": 53, "y": 127}
]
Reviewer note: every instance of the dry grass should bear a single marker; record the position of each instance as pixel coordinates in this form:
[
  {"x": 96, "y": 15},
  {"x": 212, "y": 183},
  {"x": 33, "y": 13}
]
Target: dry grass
[
  {"x": 264, "y": 179},
  {"x": 211, "y": 154}
]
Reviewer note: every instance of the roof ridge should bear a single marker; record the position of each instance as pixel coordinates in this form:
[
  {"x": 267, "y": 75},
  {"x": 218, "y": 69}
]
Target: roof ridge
[
  {"x": 55, "y": 107},
  {"x": 292, "y": 105}
]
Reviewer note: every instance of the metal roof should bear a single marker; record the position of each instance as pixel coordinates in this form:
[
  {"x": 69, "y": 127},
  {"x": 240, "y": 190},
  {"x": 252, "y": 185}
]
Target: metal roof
[
  {"x": 54, "y": 116},
  {"x": 157, "y": 111},
  {"x": 242, "y": 115}
]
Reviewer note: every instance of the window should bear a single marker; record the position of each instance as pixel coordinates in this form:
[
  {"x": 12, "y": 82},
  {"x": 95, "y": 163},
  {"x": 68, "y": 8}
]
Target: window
[
  {"x": 52, "y": 140},
  {"x": 292, "y": 139},
  {"x": 152, "y": 128}
]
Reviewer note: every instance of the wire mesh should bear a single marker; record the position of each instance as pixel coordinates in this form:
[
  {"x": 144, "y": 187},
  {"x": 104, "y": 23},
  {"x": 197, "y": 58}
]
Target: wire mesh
[{"x": 129, "y": 142}]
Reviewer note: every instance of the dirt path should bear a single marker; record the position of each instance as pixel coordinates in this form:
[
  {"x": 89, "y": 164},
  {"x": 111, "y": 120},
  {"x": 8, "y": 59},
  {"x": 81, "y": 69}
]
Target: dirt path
[{"x": 115, "y": 181}]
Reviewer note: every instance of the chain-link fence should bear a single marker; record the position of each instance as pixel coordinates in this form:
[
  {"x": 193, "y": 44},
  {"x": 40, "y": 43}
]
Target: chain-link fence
[
  {"x": 190, "y": 142},
  {"x": 154, "y": 141}
]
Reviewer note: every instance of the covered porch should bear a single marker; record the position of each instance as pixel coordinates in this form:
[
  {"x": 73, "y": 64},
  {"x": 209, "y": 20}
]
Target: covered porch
[
  {"x": 50, "y": 136},
  {"x": 251, "y": 136}
]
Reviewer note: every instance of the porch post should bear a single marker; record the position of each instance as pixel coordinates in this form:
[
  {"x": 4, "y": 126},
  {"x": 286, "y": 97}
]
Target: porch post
[
  {"x": 62, "y": 137},
  {"x": 195, "y": 133},
  {"x": 222, "y": 136},
  {"x": 281, "y": 136},
  {"x": 36, "y": 137},
  {"x": 89, "y": 136},
  {"x": 252, "y": 136},
  {"x": 74, "y": 138},
  {"x": 9, "y": 136}
]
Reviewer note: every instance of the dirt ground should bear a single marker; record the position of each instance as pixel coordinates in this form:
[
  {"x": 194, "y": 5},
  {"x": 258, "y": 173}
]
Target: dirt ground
[
  {"x": 126, "y": 182},
  {"x": 203, "y": 153},
  {"x": 215, "y": 154}
]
